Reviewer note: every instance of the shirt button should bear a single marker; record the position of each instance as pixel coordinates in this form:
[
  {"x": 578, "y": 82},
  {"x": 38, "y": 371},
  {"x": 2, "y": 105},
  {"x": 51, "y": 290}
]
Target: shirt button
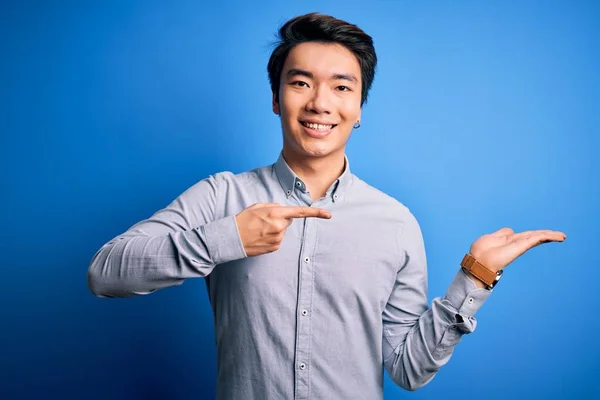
[
  {"x": 307, "y": 260},
  {"x": 470, "y": 300},
  {"x": 304, "y": 312},
  {"x": 289, "y": 192},
  {"x": 335, "y": 196},
  {"x": 302, "y": 365},
  {"x": 298, "y": 183}
]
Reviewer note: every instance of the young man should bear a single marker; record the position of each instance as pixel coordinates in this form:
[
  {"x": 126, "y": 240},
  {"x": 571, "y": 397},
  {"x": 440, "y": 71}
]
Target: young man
[{"x": 316, "y": 279}]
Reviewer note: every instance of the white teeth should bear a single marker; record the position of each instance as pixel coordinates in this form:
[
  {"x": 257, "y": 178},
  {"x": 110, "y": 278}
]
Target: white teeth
[{"x": 318, "y": 127}]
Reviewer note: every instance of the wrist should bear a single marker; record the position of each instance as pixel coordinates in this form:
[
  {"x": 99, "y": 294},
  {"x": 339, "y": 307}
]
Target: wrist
[{"x": 481, "y": 275}]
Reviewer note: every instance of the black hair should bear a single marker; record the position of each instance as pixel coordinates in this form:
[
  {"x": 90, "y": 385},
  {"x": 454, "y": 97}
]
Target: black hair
[{"x": 316, "y": 27}]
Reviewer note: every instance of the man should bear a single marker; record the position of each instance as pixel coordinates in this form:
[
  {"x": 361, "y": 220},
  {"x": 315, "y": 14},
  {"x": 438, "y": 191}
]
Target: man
[{"x": 316, "y": 279}]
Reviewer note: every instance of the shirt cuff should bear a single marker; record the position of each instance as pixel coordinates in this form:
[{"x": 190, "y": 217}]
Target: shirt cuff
[
  {"x": 464, "y": 296},
  {"x": 223, "y": 240}
]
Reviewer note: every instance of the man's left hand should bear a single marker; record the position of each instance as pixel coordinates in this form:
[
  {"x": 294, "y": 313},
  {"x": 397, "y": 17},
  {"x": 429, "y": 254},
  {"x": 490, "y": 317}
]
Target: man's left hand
[{"x": 496, "y": 250}]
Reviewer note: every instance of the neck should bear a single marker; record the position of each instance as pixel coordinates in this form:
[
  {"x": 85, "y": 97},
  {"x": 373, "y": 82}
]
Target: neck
[{"x": 317, "y": 173}]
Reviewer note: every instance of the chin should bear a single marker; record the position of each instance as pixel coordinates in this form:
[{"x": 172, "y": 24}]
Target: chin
[
  {"x": 313, "y": 150},
  {"x": 318, "y": 153},
  {"x": 310, "y": 147}
]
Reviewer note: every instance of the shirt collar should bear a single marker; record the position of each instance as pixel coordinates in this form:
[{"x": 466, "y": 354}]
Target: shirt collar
[{"x": 289, "y": 180}]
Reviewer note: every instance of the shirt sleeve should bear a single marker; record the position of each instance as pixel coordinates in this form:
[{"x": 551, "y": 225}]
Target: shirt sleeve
[
  {"x": 417, "y": 339},
  {"x": 183, "y": 240}
]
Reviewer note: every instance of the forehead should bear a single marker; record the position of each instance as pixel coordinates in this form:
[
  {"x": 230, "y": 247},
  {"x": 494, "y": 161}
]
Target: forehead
[{"x": 322, "y": 59}]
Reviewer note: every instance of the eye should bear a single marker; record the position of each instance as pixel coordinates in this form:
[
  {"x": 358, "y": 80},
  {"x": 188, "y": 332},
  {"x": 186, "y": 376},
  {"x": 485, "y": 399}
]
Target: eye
[
  {"x": 299, "y": 83},
  {"x": 344, "y": 89}
]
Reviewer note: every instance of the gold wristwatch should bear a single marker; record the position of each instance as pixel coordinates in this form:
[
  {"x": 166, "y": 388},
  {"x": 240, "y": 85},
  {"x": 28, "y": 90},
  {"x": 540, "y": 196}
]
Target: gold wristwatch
[{"x": 479, "y": 271}]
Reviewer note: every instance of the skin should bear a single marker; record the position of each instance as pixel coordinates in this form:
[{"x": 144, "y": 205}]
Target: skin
[
  {"x": 322, "y": 83},
  {"x": 327, "y": 95},
  {"x": 496, "y": 250}
]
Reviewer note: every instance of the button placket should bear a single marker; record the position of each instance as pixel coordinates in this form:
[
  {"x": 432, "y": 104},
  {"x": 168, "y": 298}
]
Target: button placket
[{"x": 303, "y": 327}]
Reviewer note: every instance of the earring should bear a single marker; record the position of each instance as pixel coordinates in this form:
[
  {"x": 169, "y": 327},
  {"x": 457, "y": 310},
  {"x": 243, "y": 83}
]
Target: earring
[{"x": 357, "y": 125}]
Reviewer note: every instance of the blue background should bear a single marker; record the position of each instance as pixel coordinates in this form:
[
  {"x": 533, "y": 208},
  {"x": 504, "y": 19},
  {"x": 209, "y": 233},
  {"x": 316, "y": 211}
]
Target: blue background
[{"x": 481, "y": 116}]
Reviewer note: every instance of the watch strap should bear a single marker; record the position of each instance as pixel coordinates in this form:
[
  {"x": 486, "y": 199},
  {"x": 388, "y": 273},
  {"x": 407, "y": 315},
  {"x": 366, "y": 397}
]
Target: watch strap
[{"x": 479, "y": 271}]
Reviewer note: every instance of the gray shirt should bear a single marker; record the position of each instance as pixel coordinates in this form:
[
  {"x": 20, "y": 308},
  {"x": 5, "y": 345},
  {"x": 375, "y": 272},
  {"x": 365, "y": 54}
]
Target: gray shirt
[{"x": 317, "y": 319}]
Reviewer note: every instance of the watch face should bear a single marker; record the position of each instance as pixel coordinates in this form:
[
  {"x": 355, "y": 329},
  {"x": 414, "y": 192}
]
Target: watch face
[{"x": 498, "y": 276}]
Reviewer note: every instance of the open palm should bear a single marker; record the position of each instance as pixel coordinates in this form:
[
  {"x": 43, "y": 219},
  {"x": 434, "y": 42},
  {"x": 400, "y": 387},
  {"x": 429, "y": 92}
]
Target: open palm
[{"x": 497, "y": 250}]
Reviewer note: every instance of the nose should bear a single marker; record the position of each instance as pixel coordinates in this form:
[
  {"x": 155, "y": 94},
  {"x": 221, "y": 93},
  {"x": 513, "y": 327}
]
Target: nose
[{"x": 319, "y": 102}]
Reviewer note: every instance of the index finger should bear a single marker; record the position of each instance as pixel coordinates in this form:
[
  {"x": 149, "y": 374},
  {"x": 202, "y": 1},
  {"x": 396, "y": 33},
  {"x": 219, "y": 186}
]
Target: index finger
[{"x": 303, "y": 212}]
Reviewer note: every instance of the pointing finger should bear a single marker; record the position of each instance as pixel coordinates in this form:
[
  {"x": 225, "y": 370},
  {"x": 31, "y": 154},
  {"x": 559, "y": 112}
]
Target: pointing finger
[{"x": 304, "y": 212}]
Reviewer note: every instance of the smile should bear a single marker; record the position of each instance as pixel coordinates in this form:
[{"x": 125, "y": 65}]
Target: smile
[{"x": 318, "y": 127}]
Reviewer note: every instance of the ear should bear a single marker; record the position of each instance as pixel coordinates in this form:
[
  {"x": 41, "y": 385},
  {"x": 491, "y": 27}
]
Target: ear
[{"x": 276, "y": 108}]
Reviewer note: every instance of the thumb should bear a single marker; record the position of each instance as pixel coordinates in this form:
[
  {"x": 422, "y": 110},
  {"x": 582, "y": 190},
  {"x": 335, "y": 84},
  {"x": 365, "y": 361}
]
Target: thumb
[{"x": 503, "y": 232}]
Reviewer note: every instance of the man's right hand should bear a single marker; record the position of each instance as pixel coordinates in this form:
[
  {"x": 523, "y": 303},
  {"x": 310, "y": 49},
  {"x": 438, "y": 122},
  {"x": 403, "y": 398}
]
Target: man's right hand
[{"x": 262, "y": 225}]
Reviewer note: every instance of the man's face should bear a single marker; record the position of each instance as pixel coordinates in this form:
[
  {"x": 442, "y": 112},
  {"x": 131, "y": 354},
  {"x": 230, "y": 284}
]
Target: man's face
[{"x": 319, "y": 98}]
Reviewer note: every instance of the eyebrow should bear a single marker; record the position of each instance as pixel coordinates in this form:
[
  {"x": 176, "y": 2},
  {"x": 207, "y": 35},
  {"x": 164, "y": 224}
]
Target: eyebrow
[{"x": 334, "y": 77}]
